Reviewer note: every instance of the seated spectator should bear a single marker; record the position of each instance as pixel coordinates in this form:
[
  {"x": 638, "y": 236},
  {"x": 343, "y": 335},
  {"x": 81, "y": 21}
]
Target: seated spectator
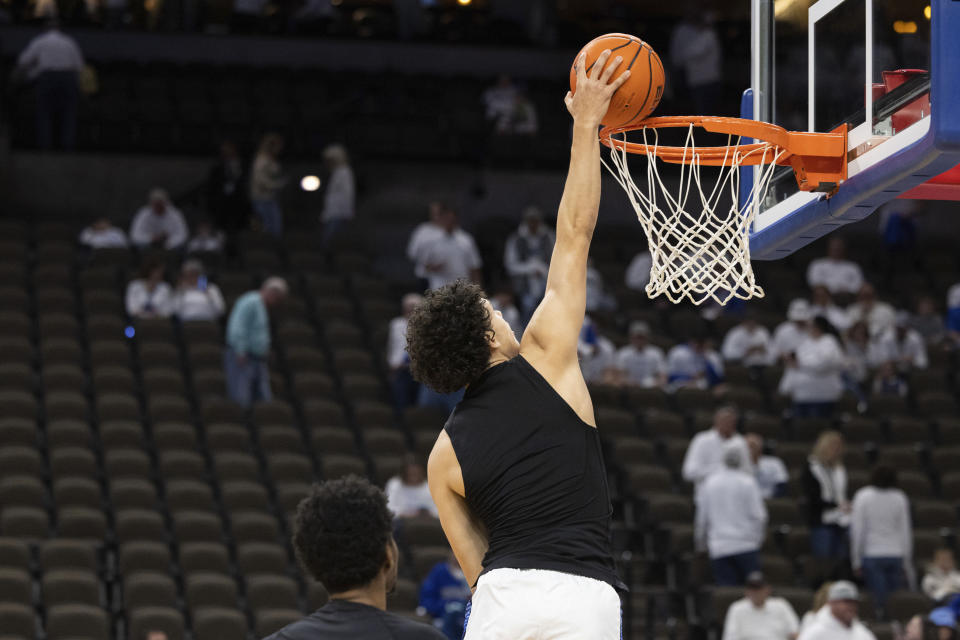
[
  {"x": 819, "y": 601},
  {"x": 824, "y": 482},
  {"x": 822, "y": 304},
  {"x": 444, "y": 595},
  {"x": 158, "y": 224},
  {"x": 859, "y": 351},
  {"x": 731, "y": 520},
  {"x": 770, "y": 472},
  {"x": 928, "y": 322},
  {"x": 597, "y": 297},
  {"x": 881, "y": 536},
  {"x": 195, "y": 298},
  {"x": 641, "y": 363},
  {"x": 788, "y": 335},
  {"x": 638, "y": 272},
  {"x": 503, "y": 301},
  {"x": 694, "y": 363},
  {"x": 405, "y": 388},
  {"x": 206, "y": 239},
  {"x": 408, "y": 495},
  {"x": 103, "y": 235},
  {"x": 748, "y": 343},
  {"x": 597, "y": 354},
  {"x": 149, "y": 296},
  {"x": 705, "y": 454},
  {"x": 527, "y": 259},
  {"x": 814, "y": 380},
  {"x": 248, "y": 343},
  {"x": 942, "y": 579},
  {"x": 758, "y": 616},
  {"x": 838, "y": 619},
  {"x": 878, "y": 315},
  {"x": 339, "y": 197},
  {"x": 450, "y": 255},
  {"x": 519, "y": 118},
  {"x": 887, "y": 381},
  {"x": 901, "y": 345},
  {"x": 423, "y": 235},
  {"x": 835, "y": 272}
]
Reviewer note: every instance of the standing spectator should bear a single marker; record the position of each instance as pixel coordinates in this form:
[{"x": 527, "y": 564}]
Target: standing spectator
[
  {"x": 749, "y": 344},
  {"x": 694, "y": 363},
  {"x": 103, "y": 235},
  {"x": 822, "y": 304},
  {"x": 596, "y": 352},
  {"x": 158, "y": 224},
  {"x": 705, "y": 454},
  {"x": 444, "y": 595},
  {"x": 881, "y": 537},
  {"x": 340, "y": 193},
  {"x": 53, "y": 62},
  {"x": 695, "y": 47},
  {"x": 731, "y": 520},
  {"x": 902, "y": 346},
  {"x": 838, "y": 619},
  {"x": 424, "y": 235},
  {"x": 408, "y": 495},
  {"x": 638, "y": 272},
  {"x": 248, "y": 343},
  {"x": 878, "y": 315},
  {"x": 819, "y": 602},
  {"x": 942, "y": 579},
  {"x": 405, "y": 388},
  {"x": 814, "y": 379},
  {"x": 526, "y": 257},
  {"x": 927, "y": 322},
  {"x": 824, "y": 482},
  {"x": 770, "y": 472},
  {"x": 206, "y": 239},
  {"x": 266, "y": 181},
  {"x": 342, "y": 536},
  {"x": 642, "y": 364},
  {"x": 452, "y": 255},
  {"x": 196, "y": 299},
  {"x": 758, "y": 616},
  {"x": 149, "y": 295},
  {"x": 788, "y": 335},
  {"x": 597, "y": 297},
  {"x": 839, "y": 275},
  {"x": 227, "y": 194}
]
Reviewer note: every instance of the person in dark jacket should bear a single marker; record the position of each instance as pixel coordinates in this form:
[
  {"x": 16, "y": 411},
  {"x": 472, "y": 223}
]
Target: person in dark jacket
[{"x": 824, "y": 483}]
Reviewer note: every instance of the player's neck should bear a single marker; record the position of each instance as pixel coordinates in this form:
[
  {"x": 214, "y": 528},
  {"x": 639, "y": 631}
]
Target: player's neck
[{"x": 373, "y": 595}]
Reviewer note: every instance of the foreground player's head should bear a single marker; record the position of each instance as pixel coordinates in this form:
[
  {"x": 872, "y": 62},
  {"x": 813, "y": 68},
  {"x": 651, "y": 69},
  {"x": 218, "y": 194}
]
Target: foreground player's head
[
  {"x": 454, "y": 335},
  {"x": 343, "y": 537}
]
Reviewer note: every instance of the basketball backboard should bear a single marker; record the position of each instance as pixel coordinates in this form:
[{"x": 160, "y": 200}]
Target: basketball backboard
[{"x": 889, "y": 70}]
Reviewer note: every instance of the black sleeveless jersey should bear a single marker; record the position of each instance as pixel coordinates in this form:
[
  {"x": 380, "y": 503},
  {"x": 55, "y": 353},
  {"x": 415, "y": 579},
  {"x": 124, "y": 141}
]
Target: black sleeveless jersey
[{"x": 533, "y": 474}]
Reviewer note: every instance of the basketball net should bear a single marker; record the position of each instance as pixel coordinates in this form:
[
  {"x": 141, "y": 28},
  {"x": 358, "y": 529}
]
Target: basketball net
[{"x": 697, "y": 251}]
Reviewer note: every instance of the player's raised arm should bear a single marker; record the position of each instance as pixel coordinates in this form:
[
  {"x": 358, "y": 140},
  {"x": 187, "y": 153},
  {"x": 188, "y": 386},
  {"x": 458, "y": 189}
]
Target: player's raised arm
[{"x": 551, "y": 336}]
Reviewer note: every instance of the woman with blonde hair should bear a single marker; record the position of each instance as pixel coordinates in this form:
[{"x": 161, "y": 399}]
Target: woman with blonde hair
[
  {"x": 819, "y": 599},
  {"x": 824, "y": 482},
  {"x": 266, "y": 181}
]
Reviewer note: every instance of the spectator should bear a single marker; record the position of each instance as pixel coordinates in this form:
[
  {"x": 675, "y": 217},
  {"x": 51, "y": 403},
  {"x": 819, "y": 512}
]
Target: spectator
[
  {"x": 444, "y": 595},
  {"x": 248, "y": 343},
  {"x": 597, "y": 297},
  {"x": 705, "y": 454},
  {"x": 103, "y": 235},
  {"x": 206, "y": 239},
  {"x": 770, "y": 472},
  {"x": 749, "y": 344},
  {"x": 814, "y": 379},
  {"x": 758, "y": 616},
  {"x": 519, "y": 119},
  {"x": 53, "y": 62},
  {"x": 638, "y": 273},
  {"x": 424, "y": 235},
  {"x": 503, "y": 302},
  {"x": 342, "y": 538},
  {"x": 158, "y": 224},
  {"x": 898, "y": 227},
  {"x": 824, "y": 482},
  {"x": 642, "y": 363},
  {"x": 156, "y": 635},
  {"x": 408, "y": 495},
  {"x": 819, "y": 601},
  {"x": 340, "y": 192},
  {"x": 839, "y": 275},
  {"x": 942, "y": 579},
  {"x": 196, "y": 299},
  {"x": 888, "y": 382},
  {"x": 694, "y": 363},
  {"x": 695, "y": 47},
  {"x": 878, "y": 315},
  {"x": 451, "y": 255},
  {"x": 149, "y": 296},
  {"x": 227, "y": 197},
  {"x": 902, "y": 346},
  {"x": 597, "y": 354},
  {"x": 822, "y": 304},
  {"x": 859, "y": 351},
  {"x": 881, "y": 538},
  {"x": 927, "y": 322},
  {"x": 731, "y": 519},
  {"x": 405, "y": 388},
  {"x": 838, "y": 619},
  {"x": 526, "y": 257},
  {"x": 788, "y": 335},
  {"x": 499, "y": 101},
  {"x": 266, "y": 181}
]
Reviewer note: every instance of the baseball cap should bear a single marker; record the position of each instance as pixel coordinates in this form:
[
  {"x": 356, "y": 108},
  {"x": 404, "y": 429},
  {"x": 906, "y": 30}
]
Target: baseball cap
[
  {"x": 755, "y": 580},
  {"x": 843, "y": 590}
]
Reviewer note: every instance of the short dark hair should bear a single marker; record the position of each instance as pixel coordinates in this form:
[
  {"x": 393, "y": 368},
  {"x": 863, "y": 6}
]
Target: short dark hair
[
  {"x": 341, "y": 532},
  {"x": 884, "y": 477},
  {"x": 448, "y": 337}
]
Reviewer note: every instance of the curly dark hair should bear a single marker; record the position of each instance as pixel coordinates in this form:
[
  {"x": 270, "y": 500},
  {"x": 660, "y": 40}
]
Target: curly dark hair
[
  {"x": 341, "y": 532},
  {"x": 448, "y": 337}
]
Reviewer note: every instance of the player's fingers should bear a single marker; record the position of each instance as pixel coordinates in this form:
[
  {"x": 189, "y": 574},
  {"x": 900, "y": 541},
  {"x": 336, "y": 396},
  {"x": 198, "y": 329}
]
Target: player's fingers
[
  {"x": 618, "y": 82},
  {"x": 582, "y": 67},
  {"x": 599, "y": 64},
  {"x": 610, "y": 68}
]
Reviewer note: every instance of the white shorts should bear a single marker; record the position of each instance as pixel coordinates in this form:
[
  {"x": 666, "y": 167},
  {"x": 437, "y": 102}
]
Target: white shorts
[{"x": 532, "y": 604}]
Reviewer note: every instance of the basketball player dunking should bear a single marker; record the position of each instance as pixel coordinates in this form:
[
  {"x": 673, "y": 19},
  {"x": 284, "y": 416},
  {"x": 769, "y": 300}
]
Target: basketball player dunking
[{"x": 517, "y": 473}]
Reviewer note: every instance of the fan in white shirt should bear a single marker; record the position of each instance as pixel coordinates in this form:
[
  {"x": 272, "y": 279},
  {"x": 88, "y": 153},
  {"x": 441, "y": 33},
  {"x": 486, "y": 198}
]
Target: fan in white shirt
[
  {"x": 705, "y": 454},
  {"x": 901, "y": 345},
  {"x": 638, "y": 273},
  {"x": 748, "y": 343},
  {"x": 423, "y": 235},
  {"x": 788, "y": 335},
  {"x": 837, "y": 620},
  {"x": 149, "y": 295},
  {"x": 640, "y": 362},
  {"x": 758, "y": 616},
  {"x": 408, "y": 495},
  {"x": 834, "y": 271},
  {"x": 397, "y": 357},
  {"x": 942, "y": 578},
  {"x": 694, "y": 364},
  {"x": 770, "y": 472},
  {"x": 450, "y": 256},
  {"x": 159, "y": 223},
  {"x": 822, "y": 304},
  {"x": 206, "y": 239},
  {"x": 814, "y": 382},
  {"x": 878, "y": 315},
  {"x": 103, "y": 235},
  {"x": 195, "y": 299}
]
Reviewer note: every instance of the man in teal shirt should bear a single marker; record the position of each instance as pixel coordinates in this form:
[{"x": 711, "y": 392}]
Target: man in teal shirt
[{"x": 248, "y": 343}]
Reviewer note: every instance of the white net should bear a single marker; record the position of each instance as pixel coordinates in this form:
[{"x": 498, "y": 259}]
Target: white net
[{"x": 699, "y": 241}]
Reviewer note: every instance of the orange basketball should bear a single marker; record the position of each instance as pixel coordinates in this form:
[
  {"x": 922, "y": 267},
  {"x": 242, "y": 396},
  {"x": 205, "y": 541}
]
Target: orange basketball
[{"x": 641, "y": 93}]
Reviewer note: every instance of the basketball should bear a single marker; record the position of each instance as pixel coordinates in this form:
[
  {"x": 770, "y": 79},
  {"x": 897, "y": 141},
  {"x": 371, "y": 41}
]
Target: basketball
[{"x": 641, "y": 93}]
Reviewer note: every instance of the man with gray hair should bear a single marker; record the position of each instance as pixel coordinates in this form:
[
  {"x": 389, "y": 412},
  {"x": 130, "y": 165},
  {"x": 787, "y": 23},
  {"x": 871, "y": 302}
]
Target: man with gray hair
[
  {"x": 705, "y": 454},
  {"x": 837, "y": 620},
  {"x": 248, "y": 343},
  {"x": 158, "y": 224},
  {"x": 731, "y": 519}
]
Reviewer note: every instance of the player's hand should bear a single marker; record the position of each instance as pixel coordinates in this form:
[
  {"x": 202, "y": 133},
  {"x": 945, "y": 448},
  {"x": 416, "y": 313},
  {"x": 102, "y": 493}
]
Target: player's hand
[{"x": 592, "y": 99}]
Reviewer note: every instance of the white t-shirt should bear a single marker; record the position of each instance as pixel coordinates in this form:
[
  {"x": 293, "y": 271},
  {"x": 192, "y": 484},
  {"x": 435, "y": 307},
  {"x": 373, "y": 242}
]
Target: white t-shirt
[
  {"x": 338, "y": 200},
  {"x": 595, "y": 359},
  {"x": 816, "y": 378},
  {"x": 770, "y": 472},
  {"x": 740, "y": 340},
  {"x": 405, "y": 501},
  {"x": 826, "y": 627},
  {"x": 879, "y": 317},
  {"x": 109, "y": 238},
  {"x": 786, "y": 338},
  {"x": 206, "y": 244},
  {"x": 141, "y": 302},
  {"x": 880, "y": 526},
  {"x": 643, "y": 367},
  {"x": 838, "y": 276},
  {"x": 638, "y": 273},
  {"x": 147, "y": 224},
  {"x": 731, "y": 517},
  {"x": 953, "y": 296},
  {"x": 50, "y": 51},
  {"x": 397, "y": 343},
  {"x": 775, "y": 620},
  {"x": 424, "y": 234},
  {"x": 888, "y": 348},
  {"x": 196, "y": 304},
  {"x": 705, "y": 455},
  {"x": 456, "y": 254}
]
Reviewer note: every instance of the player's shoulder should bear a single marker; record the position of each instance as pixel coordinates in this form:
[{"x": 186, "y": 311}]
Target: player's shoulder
[{"x": 401, "y": 628}]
